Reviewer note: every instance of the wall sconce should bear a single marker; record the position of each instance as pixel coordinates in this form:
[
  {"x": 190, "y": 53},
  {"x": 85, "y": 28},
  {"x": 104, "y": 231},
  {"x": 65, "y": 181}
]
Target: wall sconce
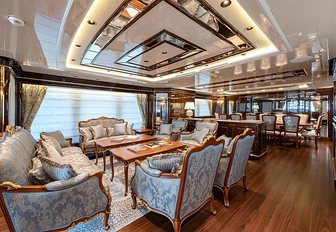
[{"x": 189, "y": 106}]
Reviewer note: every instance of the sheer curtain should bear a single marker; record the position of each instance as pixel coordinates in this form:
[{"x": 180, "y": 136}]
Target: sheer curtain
[
  {"x": 32, "y": 98},
  {"x": 142, "y": 105}
]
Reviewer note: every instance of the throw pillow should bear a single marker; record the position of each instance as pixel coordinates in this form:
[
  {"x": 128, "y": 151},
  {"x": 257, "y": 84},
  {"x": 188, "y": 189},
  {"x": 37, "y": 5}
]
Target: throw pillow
[
  {"x": 98, "y": 131},
  {"x": 37, "y": 175},
  {"x": 59, "y": 137},
  {"x": 165, "y": 129},
  {"x": 120, "y": 129},
  {"x": 57, "y": 170},
  {"x": 164, "y": 162},
  {"x": 110, "y": 131},
  {"x": 86, "y": 133},
  {"x": 200, "y": 135},
  {"x": 50, "y": 151},
  {"x": 130, "y": 128},
  {"x": 53, "y": 142}
]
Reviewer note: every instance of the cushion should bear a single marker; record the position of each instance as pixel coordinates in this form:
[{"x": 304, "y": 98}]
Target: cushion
[
  {"x": 177, "y": 168},
  {"x": 190, "y": 143},
  {"x": 165, "y": 129},
  {"x": 110, "y": 131},
  {"x": 53, "y": 142},
  {"x": 59, "y": 137},
  {"x": 86, "y": 133},
  {"x": 37, "y": 174},
  {"x": 50, "y": 151},
  {"x": 227, "y": 140},
  {"x": 130, "y": 128},
  {"x": 120, "y": 129},
  {"x": 57, "y": 169},
  {"x": 164, "y": 162},
  {"x": 98, "y": 131},
  {"x": 199, "y": 135}
]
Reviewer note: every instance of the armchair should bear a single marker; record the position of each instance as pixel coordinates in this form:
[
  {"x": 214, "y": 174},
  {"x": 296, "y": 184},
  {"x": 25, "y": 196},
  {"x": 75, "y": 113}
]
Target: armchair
[
  {"x": 315, "y": 133},
  {"x": 164, "y": 131},
  {"x": 232, "y": 166},
  {"x": 179, "y": 196},
  {"x": 178, "y": 125},
  {"x": 203, "y": 129}
]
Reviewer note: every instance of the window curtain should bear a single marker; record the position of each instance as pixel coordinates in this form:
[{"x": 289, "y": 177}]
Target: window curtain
[
  {"x": 142, "y": 104},
  {"x": 32, "y": 98}
]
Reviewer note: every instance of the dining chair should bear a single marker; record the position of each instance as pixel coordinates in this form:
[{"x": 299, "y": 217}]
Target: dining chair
[
  {"x": 270, "y": 126},
  {"x": 315, "y": 133},
  {"x": 291, "y": 124},
  {"x": 236, "y": 117},
  {"x": 223, "y": 116},
  {"x": 251, "y": 117}
]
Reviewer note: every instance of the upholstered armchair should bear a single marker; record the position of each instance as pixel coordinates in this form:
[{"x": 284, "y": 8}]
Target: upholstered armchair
[
  {"x": 232, "y": 165},
  {"x": 314, "y": 133},
  {"x": 178, "y": 196},
  {"x": 178, "y": 125},
  {"x": 291, "y": 129},
  {"x": 164, "y": 132},
  {"x": 203, "y": 130}
]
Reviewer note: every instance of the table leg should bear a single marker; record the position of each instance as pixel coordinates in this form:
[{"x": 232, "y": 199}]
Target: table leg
[
  {"x": 112, "y": 166},
  {"x": 104, "y": 159},
  {"x": 126, "y": 177},
  {"x": 96, "y": 153}
]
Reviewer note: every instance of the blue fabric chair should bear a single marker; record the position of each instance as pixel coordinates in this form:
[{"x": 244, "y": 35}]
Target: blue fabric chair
[
  {"x": 178, "y": 196},
  {"x": 232, "y": 166}
]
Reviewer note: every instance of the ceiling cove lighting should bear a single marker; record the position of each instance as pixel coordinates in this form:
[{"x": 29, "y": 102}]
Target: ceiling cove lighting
[
  {"x": 265, "y": 47},
  {"x": 226, "y": 3},
  {"x": 248, "y": 28},
  {"x": 91, "y": 22}
]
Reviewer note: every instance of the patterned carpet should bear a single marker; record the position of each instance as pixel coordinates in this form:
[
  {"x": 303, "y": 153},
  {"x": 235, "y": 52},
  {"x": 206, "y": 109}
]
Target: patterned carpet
[{"x": 121, "y": 212}]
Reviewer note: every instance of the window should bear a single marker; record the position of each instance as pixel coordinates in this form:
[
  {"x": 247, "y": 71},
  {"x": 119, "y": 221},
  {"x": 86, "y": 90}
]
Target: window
[
  {"x": 203, "y": 107},
  {"x": 62, "y": 109}
]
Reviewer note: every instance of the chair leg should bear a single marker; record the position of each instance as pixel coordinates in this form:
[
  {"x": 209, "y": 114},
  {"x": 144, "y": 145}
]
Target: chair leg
[
  {"x": 134, "y": 204},
  {"x": 212, "y": 208},
  {"x": 316, "y": 139},
  {"x": 106, "y": 220},
  {"x": 297, "y": 143},
  {"x": 245, "y": 183},
  {"x": 284, "y": 141},
  {"x": 226, "y": 197},
  {"x": 177, "y": 225}
]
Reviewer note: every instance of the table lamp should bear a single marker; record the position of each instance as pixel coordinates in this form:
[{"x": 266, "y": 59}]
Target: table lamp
[{"x": 189, "y": 106}]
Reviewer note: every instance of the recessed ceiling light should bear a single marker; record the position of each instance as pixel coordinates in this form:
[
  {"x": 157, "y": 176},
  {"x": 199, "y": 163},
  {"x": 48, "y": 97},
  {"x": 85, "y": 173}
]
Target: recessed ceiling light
[
  {"x": 226, "y": 3},
  {"x": 164, "y": 52},
  {"x": 73, "y": 59},
  {"x": 78, "y": 45},
  {"x": 248, "y": 28},
  {"x": 91, "y": 22},
  {"x": 146, "y": 61},
  {"x": 243, "y": 54},
  {"x": 16, "y": 21},
  {"x": 108, "y": 70}
]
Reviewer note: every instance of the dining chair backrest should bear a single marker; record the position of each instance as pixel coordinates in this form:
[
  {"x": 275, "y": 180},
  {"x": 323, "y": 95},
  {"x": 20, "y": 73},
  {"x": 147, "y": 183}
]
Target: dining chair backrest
[
  {"x": 319, "y": 122},
  {"x": 236, "y": 117},
  {"x": 251, "y": 117},
  {"x": 291, "y": 123},
  {"x": 223, "y": 116},
  {"x": 270, "y": 121}
]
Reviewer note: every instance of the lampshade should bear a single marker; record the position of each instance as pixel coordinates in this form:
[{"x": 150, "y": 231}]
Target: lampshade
[{"x": 189, "y": 106}]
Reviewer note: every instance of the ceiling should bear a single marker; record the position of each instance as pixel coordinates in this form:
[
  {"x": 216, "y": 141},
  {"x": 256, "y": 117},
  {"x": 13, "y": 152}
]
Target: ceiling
[{"x": 186, "y": 44}]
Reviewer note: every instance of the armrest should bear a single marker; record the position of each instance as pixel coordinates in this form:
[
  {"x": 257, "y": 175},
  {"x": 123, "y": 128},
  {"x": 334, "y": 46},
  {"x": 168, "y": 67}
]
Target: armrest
[
  {"x": 150, "y": 171},
  {"x": 170, "y": 175},
  {"x": 35, "y": 207},
  {"x": 70, "y": 141},
  {"x": 64, "y": 184}
]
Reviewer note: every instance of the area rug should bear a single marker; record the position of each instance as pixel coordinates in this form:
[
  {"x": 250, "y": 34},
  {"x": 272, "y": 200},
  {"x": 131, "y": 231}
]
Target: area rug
[{"x": 121, "y": 212}]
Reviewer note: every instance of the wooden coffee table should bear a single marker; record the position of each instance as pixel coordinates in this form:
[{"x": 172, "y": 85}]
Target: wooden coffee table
[
  {"x": 127, "y": 155},
  {"x": 106, "y": 144}
]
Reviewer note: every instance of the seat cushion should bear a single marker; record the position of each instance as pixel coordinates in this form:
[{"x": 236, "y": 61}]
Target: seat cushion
[
  {"x": 71, "y": 150},
  {"x": 312, "y": 133},
  {"x": 80, "y": 163},
  {"x": 164, "y": 162},
  {"x": 293, "y": 135}
]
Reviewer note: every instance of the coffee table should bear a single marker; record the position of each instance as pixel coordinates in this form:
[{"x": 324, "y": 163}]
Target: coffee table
[
  {"x": 106, "y": 144},
  {"x": 139, "y": 152}
]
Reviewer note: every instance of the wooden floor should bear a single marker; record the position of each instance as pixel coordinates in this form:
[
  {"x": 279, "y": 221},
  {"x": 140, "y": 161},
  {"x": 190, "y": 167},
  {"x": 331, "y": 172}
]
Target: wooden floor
[{"x": 289, "y": 190}]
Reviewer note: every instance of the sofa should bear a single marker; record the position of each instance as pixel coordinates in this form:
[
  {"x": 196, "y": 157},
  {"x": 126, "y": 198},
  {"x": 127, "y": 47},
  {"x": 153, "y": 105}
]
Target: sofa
[
  {"x": 87, "y": 138},
  {"x": 57, "y": 204}
]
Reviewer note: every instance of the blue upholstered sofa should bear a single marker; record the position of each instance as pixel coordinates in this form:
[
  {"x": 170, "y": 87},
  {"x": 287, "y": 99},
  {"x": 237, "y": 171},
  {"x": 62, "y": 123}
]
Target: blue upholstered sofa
[{"x": 54, "y": 206}]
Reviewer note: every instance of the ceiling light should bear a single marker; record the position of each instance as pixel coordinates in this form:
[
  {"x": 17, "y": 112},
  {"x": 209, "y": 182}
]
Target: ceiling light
[
  {"x": 243, "y": 54},
  {"x": 132, "y": 11},
  {"x": 146, "y": 61},
  {"x": 248, "y": 28},
  {"x": 16, "y": 21},
  {"x": 226, "y": 3},
  {"x": 250, "y": 67},
  {"x": 238, "y": 70},
  {"x": 78, "y": 45},
  {"x": 263, "y": 90},
  {"x": 91, "y": 22},
  {"x": 164, "y": 52},
  {"x": 73, "y": 59}
]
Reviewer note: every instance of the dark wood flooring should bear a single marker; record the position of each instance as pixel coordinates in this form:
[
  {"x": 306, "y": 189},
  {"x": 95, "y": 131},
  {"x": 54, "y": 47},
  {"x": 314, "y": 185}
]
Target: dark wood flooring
[{"x": 289, "y": 190}]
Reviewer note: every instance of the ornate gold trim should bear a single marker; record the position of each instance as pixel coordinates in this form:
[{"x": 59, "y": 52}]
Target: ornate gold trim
[
  {"x": 10, "y": 185},
  {"x": 10, "y": 129}
]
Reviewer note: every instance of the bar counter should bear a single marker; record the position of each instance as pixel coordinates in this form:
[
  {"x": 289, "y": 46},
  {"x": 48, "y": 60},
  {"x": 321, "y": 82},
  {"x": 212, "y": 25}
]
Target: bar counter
[{"x": 231, "y": 128}]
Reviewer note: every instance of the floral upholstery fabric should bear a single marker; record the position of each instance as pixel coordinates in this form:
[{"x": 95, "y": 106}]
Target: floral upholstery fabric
[
  {"x": 221, "y": 171},
  {"x": 190, "y": 143},
  {"x": 212, "y": 126},
  {"x": 291, "y": 123},
  {"x": 159, "y": 193},
  {"x": 179, "y": 125},
  {"x": 236, "y": 117},
  {"x": 200, "y": 177},
  {"x": 16, "y": 154},
  {"x": 239, "y": 162},
  {"x": 251, "y": 117},
  {"x": 41, "y": 211},
  {"x": 270, "y": 122}
]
